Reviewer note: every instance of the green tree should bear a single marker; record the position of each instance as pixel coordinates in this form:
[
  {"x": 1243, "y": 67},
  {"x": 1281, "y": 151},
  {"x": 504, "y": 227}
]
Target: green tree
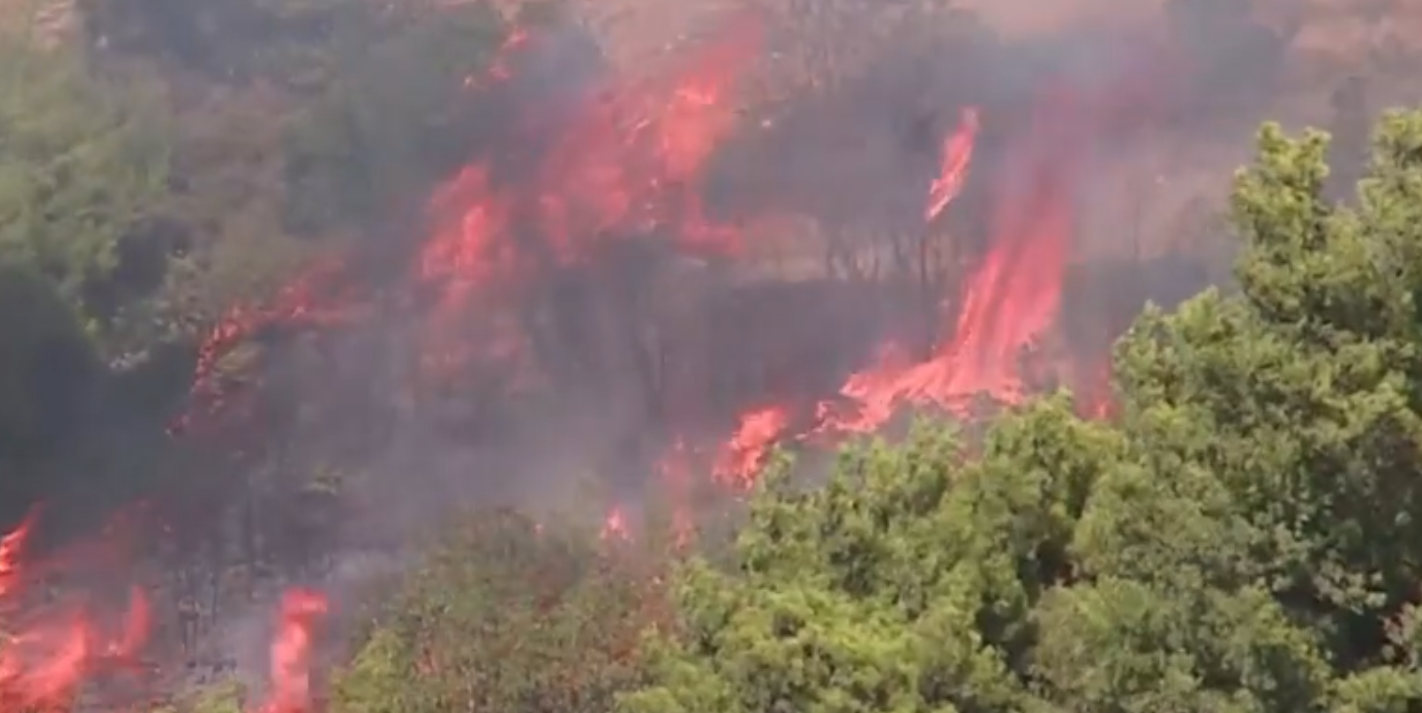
[
  {"x": 81, "y": 169},
  {"x": 1299, "y": 398},
  {"x": 910, "y": 582},
  {"x": 504, "y": 615},
  {"x": 401, "y": 116},
  {"x": 1244, "y": 539}
]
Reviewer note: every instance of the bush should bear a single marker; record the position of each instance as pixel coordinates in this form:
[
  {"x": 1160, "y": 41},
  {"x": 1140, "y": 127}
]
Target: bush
[{"x": 506, "y": 615}]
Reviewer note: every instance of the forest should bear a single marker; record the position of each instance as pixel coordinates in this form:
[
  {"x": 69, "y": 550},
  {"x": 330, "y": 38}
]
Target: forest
[{"x": 551, "y": 356}]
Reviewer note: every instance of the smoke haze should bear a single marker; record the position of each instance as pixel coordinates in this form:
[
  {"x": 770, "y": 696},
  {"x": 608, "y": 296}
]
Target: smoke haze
[{"x": 645, "y": 275}]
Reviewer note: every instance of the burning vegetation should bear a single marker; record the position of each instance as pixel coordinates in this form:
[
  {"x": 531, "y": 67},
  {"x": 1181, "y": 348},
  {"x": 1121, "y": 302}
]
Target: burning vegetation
[
  {"x": 597, "y": 268},
  {"x": 582, "y": 264}
]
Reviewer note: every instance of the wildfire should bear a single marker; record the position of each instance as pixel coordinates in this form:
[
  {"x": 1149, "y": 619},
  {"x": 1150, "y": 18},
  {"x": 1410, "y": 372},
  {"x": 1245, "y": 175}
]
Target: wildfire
[
  {"x": 627, "y": 166},
  {"x": 57, "y": 638},
  {"x": 953, "y": 170},
  {"x": 873, "y": 395},
  {"x": 291, "y": 651},
  {"x": 317, "y": 297},
  {"x": 744, "y": 455},
  {"x": 51, "y": 643}
]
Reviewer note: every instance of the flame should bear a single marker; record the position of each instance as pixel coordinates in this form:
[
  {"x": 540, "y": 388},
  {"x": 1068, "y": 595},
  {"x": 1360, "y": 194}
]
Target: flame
[
  {"x": 744, "y": 455},
  {"x": 1008, "y": 301},
  {"x": 953, "y": 169},
  {"x": 614, "y": 526},
  {"x": 876, "y": 393},
  {"x": 624, "y": 168},
  {"x": 291, "y": 652},
  {"x": 676, "y": 468},
  {"x": 500, "y": 68},
  {"x": 309, "y": 300},
  {"x": 11, "y": 547},
  {"x": 52, "y": 642}
]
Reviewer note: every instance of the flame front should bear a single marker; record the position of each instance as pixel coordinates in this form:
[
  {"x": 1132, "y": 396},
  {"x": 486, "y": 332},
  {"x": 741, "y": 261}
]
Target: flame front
[
  {"x": 290, "y": 689},
  {"x": 51, "y": 644}
]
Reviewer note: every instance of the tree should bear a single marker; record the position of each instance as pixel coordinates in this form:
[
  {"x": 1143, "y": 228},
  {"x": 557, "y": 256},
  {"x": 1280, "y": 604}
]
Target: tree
[
  {"x": 80, "y": 170},
  {"x": 401, "y": 117},
  {"x": 504, "y": 614},
  {"x": 1300, "y": 397},
  {"x": 1244, "y": 539}
]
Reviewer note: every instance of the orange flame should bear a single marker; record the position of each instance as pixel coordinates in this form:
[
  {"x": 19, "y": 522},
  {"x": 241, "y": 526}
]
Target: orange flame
[
  {"x": 746, "y": 452},
  {"x": 291, "y": 652},
  {"x": 49, "y": 645},
  {"x": 953, "y": 170}
]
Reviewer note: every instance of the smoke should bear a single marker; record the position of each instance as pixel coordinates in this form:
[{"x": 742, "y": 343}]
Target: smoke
[
  {"x": 636, "y": 345},
  {"x": 577, "y": 313},
  {"x": 635, "y": 276}
]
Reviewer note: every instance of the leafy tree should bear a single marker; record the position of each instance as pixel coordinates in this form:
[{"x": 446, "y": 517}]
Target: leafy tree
[
  {"x": 81, "y": 168},
  {"x": 1299, "y": 398},
  {"x": 1244, "y": 539},
  {"x": 907, "y": 583},
  {"x": 400, "y": 116},
  {"x": 504, "y": 615}
]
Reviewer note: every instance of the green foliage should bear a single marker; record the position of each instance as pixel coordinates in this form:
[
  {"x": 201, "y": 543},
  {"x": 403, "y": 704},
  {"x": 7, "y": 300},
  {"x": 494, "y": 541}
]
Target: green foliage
[
  {"x": 142, "y": 196},
  {"x": 81, "y": 169},
  {"x": 1245, "y": 539},
  {"x": 387, "y": 129},
  {"x": 504, "y": 615}
]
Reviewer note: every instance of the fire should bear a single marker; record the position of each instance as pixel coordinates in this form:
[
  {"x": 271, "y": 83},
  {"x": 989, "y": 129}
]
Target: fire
[
  {"x": 291, "y": 652},
  {"x": 11, "y": 546},
  {"x": 953, "y": 171},
  {"x": 627, "y": 167},
  {"x": 744, "y": 455},
  {"x": 308, "y": 301},
  {"x": 52, "y": 642},
  {"x": 56, "y": 635},
  {"x": 877, "y": 392},
  {"x": 499, "y": 67},
  {"x": 677, "y": 468},
  {"x": 615, "y": 527},
  {"x": 1007, "y": 303},
  {"x": 623, "y": 168}
]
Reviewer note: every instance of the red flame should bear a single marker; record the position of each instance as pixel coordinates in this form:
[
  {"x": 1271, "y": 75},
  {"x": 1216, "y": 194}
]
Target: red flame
[
  {"x": 1009, "y": 301},
  {"x": 953, "y": 170},
  {"x": 615, "y": 527},
  {"x": 307, "y": 301},
  {"x": 499, "y": 69},
  {"x": 291, "y": 652},
  {"x": 876, "y": 393},
  {"x": 54, "y": 641},
  {"x": 744, "y": 455},
  {"x": 50, "y": 643},
  {"x": 626, "y": 169}
]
